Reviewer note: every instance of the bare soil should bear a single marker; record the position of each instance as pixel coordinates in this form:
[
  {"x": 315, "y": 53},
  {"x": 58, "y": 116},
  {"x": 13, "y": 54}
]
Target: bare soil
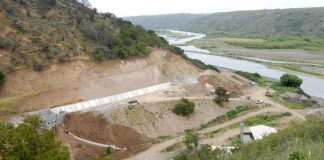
[
  {"x": 84, "y": 79},
  {"x": 95, "y": 128}
]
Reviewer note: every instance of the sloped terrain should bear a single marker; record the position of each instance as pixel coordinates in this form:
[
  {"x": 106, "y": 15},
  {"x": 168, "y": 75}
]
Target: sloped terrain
[
  {"x": 95, "y": 128},
  {"x": 303, "y": 21},
  {"x": 26, "y": 90}
]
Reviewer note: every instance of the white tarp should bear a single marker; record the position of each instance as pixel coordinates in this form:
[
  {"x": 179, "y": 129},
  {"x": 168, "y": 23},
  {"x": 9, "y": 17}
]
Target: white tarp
[{"x": 260, "y": 131}]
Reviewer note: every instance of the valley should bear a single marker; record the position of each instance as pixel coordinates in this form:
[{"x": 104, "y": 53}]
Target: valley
[{"x": 80, "y": 84}]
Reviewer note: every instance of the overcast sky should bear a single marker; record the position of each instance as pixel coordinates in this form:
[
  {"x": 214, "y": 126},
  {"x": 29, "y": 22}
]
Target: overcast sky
[{"x": 124, "y": 8}]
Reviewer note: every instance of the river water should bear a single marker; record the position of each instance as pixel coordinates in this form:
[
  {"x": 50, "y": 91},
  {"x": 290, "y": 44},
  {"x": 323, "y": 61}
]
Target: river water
[{"x": 312, "y": 85}]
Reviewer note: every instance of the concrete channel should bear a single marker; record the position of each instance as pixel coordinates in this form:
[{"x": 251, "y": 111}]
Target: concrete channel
[{"x": 55, "y": 116}]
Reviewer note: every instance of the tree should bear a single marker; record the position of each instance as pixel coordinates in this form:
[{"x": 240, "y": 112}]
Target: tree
[
  {"x": 184, "y": 107},
  {"x": 2, "y": 77},
  {"x": 290, "y": 80},
  {"x": 30, "y": 141},
  {"x": 221, "y": 96},
  {"x": 191, "y": 139},
  {"x": 85, "y": 3}
]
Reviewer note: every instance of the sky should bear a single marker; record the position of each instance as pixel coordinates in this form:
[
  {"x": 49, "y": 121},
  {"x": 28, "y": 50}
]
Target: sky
[{"x": 124, "y": 8}]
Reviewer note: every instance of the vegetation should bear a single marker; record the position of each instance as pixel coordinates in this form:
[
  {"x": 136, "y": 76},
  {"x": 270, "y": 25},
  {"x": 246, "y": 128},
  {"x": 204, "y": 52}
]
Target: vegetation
[
  {"x": 290, "y": 80},
  {"x": 221, "y": 96},
  {"x": 255, "y": 77},
  {"x": 195, "y": 62},
  {"x": 287, "y": 21},
  {"x": 304, "y": 140},
  {"x": 194, "y": 152},
  {"x": 298, "y": 142},
  {"x": 184, "y": 108},
  {"x": 30, "y": 141},
  {"x": 2, "y": 77},
  {"x": 281, "y": 89},
  {"x": 76, "y": 31},
  {"x": 299, "y": 69},
  {"x": 229, "y": 115},
  {"x": 233, "y": 113},
  {"x": 264, "y": 119},
  {"x": 191, "y": 139},
  {"x": 265, "y": 41}
]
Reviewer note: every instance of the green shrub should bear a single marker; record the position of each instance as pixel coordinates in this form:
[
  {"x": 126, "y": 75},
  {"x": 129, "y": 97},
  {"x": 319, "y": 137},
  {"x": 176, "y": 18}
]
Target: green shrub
[
  {"x": 297, "y": 156},
  {"x": 255, "y": 77},
  {"x": 291, "y": 80},
  {"x": 233, "y": 113},
  {"x": 221, "y": 96},
  {"x": 2, "y": 77},
  {"x": 30, "y": 140},
  {"x": 184, "y": 108},
  {"x": 191, "y": 139},
  {"x": 38, "y": 66}
]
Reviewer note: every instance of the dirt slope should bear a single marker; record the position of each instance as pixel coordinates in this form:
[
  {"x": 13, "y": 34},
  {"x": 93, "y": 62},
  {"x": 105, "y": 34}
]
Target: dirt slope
[
  {"x": 83, "y": 80},
  {"x": 95, "y": 128}
]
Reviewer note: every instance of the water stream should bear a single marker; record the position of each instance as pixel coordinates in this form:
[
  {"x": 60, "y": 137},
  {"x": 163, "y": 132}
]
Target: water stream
[{"x": 312, "y": 85}]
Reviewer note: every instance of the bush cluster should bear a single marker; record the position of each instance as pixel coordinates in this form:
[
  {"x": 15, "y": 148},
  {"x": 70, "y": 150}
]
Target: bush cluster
[
  {"x": 221, "y": 96},
  {"x": 291, "y": 80},
  {"x": 2, "y": 77},
  {"x": 195, "y": 62},
  {"x": 184, "y": 108}
]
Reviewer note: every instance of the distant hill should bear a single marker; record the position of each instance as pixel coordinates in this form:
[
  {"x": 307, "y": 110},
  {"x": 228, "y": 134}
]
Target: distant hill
[
  {"x": 304, "y": 21},
  {"x": 168, "y": 21}
]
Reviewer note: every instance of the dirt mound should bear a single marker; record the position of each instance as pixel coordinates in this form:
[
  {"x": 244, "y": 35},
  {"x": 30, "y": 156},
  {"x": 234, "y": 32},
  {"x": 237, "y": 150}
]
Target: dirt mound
[
  {"x": 81, "y": 80},
  {"x": 155, "y": 119},
  {"x": 233, "y": 83},
  {"x": 95, "y": 128}
]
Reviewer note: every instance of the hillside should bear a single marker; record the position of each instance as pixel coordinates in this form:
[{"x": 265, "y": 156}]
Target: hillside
[
  {"x": 304, "y": 21},
  {"x": 167, "y": 21},
  {"x": 57, "y": 52},
  {"x": 35, "y": 34}
]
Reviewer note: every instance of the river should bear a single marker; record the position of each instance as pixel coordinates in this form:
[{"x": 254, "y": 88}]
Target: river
[{"x": 312, "y": 85}]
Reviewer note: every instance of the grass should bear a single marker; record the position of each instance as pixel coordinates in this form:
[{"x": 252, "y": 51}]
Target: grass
[
  {"x": 267, "y": 41},
  {"x": 261, "y": 119},
  {"x": 264, "y": 119},
  {"x": 239, "y": 110},
  {"x": 298, "y": 69},
  {"x": 233, "y": 113},
  {"x": 255, "y": 77},
  {"x": 306, "y": 138},
  {"x": 280, "y": 89},
  {"x": 173, "y": 147},
  {"x": 213, "y": 133},
  {"x": 277, "y": 86},
  {"x": 9, "y": 101},
  {"x": 165, "y": 137}
]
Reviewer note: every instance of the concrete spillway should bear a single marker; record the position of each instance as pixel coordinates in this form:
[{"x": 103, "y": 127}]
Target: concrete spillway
[{"x": 55, "y": 116}]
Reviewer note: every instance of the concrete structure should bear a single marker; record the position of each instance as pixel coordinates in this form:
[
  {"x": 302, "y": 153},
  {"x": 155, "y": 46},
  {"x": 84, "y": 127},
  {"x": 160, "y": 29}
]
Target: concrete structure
[
  {"x": 55, "y": 116},
  {"x": 257, "y": 133}
]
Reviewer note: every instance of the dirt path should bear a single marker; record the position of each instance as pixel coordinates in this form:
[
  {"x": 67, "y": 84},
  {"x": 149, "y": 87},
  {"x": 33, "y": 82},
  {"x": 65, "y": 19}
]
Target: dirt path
[
  {"x": 256, "y": 93},
  {"x": 95, "y": 143}
]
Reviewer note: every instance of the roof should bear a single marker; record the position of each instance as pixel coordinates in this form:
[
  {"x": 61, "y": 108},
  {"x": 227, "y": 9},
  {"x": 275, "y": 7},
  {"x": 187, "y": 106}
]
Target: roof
[{"x": 260, "y": 131}]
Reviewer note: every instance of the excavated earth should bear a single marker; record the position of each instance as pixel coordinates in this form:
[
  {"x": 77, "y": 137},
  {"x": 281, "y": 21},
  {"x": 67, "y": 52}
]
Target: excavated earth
[{"x": 79, "y": 80}]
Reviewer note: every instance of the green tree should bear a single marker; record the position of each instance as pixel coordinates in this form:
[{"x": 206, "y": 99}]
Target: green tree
[
  {"x": 2, "y": 77},
  {"x": 221, "y": 96},
  {"x": 184, "y": 107},
  {"x": 30, "y": 141},
  {"x": 191, "y": 139},
  {"x": 290, "y": 80}
]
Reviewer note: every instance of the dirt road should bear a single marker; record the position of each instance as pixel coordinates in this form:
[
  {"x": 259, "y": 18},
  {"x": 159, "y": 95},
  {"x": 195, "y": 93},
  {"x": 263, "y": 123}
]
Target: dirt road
[{"x": 257, "y": 93}]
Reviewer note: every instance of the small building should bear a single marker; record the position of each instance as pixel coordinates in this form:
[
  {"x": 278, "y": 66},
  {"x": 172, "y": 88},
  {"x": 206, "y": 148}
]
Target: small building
[{"x": 257, "y": 133}]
